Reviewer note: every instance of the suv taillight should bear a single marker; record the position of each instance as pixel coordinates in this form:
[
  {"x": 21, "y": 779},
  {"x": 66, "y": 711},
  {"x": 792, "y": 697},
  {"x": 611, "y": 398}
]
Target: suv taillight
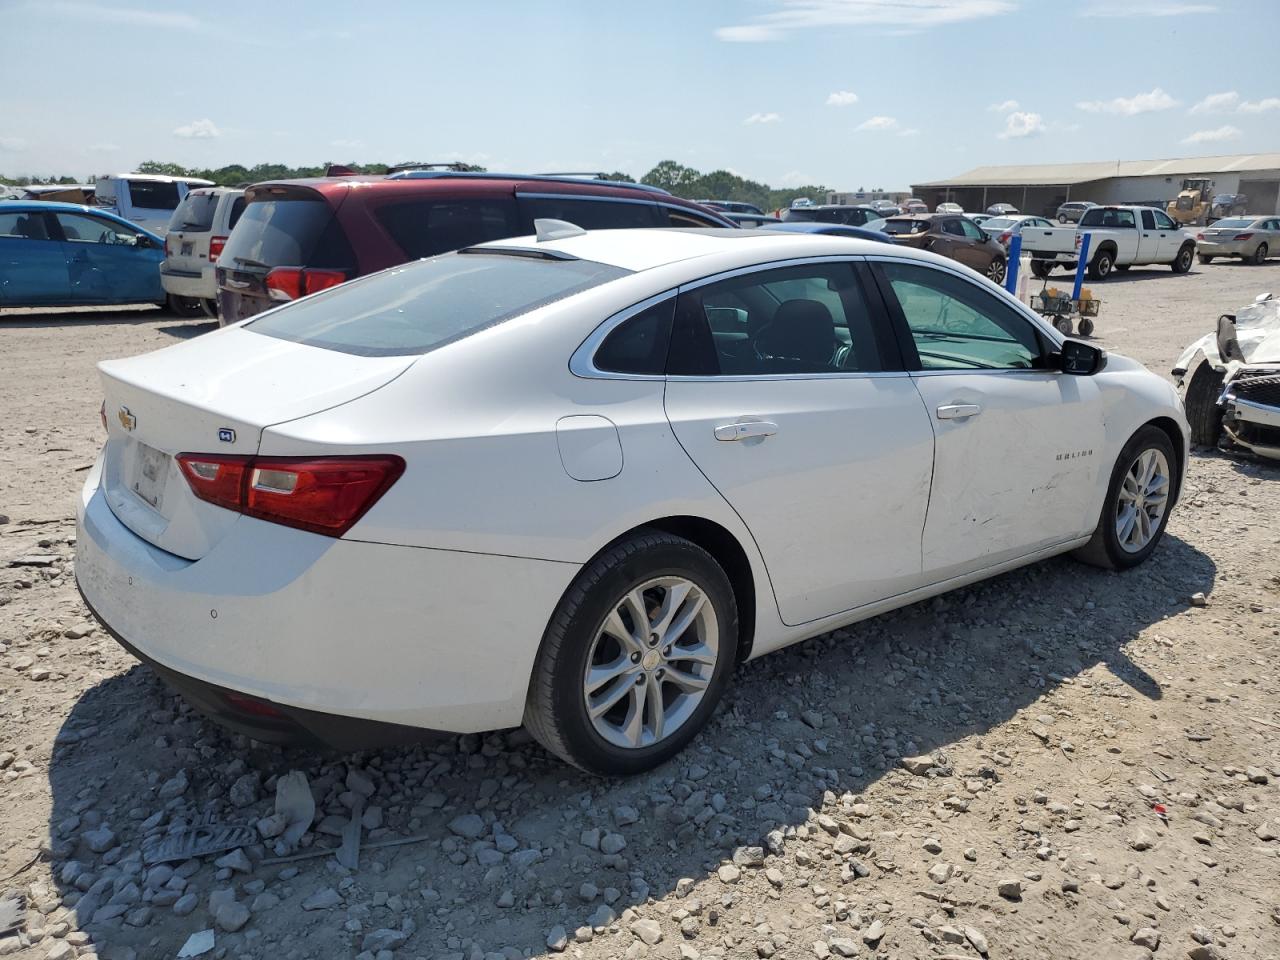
[
  {"x": 290, "y": 283},
  {"x": 326, "y": 495},
  {"x": 168, "y": 250},
  {"x": 215, "y": 248}
]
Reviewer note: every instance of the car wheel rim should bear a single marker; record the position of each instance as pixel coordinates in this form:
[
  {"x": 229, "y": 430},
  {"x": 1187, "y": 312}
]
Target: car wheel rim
[
  {"x": 996, "y": 270},
  {"x": 651, "y": 662},
  {"x": 1144, "y": 495},
  {"x": 1184, "y": 261}
]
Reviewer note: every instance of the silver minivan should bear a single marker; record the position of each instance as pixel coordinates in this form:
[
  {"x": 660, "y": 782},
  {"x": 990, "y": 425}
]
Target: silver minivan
[
  {"x": 147, "y": 199},
  {"x": 198, "y": 231}
]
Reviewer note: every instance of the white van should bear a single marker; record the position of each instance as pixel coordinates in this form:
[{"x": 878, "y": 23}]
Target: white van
[
  {"x": 146, "y": 199},
  {"x": 197, "y": 233}
]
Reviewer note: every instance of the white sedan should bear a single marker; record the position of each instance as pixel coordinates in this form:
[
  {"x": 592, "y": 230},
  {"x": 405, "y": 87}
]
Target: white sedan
[{"x": 572, "y": 481}]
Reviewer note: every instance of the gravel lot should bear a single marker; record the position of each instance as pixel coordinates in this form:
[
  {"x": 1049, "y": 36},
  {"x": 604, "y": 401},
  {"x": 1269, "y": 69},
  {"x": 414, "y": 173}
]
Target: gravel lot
[{"x": 1100, "y": 772}]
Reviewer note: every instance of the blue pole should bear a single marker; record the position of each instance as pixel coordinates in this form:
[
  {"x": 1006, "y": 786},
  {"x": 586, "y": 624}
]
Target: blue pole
[
  {"x": 1082, "y": 265},
  {"x": 1015, "y": 260}
]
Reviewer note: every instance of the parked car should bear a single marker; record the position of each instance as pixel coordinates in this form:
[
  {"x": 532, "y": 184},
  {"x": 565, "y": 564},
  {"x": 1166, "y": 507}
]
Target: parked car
[
  {"x": 1072, "y": 210},
  {"x": 144, "y": 198},
  {"x": 198, "y": 231},
  {"x": 297, "y": 237},
  {"x": 1121, "y": 238},
  {"x": 1004, "y": 229},
  {"x": 731, "y": 206},
  {"x": 978, "y": 218},
  {"x": 831, "y": 230},
  {"x": 65, "y": 254},
  {"x": 1001, "y": 209},
  {"x": 886, "y": 208},
  {"x": 1228, "y": 205},
  {"x": 801, "y": 202},
  {"x": 952, "y": 236},
  {"x": 953, "y": 208},
  {"x": 333, "y": 479},
  {"x": 914, "y": 205},
  {"x": 853, "y": 215},
  {"x": 1230, "y": 379},
  {"x": 750, "y": 220},
  {"x": 1251, "y": 239}
]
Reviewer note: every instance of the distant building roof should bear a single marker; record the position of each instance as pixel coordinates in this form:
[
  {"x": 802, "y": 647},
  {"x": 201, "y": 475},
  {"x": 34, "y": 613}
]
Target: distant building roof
[{"x": 1063, "y": 174}]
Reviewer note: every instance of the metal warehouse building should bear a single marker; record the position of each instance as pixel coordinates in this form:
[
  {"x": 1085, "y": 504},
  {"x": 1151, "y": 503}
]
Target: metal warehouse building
[{"x": 1039, "y": 188}]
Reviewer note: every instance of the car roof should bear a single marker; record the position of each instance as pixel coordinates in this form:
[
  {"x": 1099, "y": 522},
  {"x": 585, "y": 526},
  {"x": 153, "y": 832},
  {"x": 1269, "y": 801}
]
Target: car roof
[{"x": 645, "y": 249}]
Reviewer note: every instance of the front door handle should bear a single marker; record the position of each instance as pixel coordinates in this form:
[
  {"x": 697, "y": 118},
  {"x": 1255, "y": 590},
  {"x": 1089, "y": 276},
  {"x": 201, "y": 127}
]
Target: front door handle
[
  {"x": 958, "y": 411},
  {"x": 746, "y": 430}
]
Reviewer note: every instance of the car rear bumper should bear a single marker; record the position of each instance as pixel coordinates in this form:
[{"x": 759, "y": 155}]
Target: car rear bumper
[
  {"x": 1229, "y": 248},
  {"x": 330, "y": 633},
  {"x": 188, "y": 283}
]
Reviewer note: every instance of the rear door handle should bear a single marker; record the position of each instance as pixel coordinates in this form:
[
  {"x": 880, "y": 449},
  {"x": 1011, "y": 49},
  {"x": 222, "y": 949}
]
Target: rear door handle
[
  {"x": 746, "y": 430},
  {"x": 958, "y": 411}
]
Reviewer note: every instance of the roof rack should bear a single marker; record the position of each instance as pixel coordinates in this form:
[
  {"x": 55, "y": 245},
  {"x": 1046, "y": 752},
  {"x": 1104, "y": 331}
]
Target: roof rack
[
  {"x": 589, "y": 174},
  {"x": 416, "y": 165},
  {"x": 418, "y": 173}
]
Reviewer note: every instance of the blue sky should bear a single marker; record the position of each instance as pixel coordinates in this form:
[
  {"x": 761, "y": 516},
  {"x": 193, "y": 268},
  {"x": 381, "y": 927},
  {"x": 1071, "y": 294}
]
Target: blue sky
[{"x": 849, "y": 93}]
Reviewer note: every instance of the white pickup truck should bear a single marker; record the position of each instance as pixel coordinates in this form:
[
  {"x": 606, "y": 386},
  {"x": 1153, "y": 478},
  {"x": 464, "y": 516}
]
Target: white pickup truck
[{"x": 1122, "y": 237}]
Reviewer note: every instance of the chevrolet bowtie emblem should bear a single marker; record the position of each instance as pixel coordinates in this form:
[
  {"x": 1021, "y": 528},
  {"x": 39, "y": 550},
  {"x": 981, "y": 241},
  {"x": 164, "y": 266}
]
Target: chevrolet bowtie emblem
[{"x": 127, "y": 419}]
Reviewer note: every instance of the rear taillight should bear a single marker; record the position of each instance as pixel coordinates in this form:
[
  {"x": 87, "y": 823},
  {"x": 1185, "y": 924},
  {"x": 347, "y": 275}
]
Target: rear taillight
[
  {"x": 168, "y": 250},
  {"x": 325, "y": 496},
  {"x": 1004, "y": 237},
  {"x": 215, "y": 248},
  {"x": 1199, "y": 236},
  {"x": 290, "y": 283},
  {"x": 1243, "y": 236}
]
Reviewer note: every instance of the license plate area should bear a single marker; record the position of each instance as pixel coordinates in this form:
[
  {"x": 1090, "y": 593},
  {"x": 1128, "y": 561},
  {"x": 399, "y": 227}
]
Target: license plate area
[
  {"x": 150, "y": 470},
  {"x": 187, "y": 249}
]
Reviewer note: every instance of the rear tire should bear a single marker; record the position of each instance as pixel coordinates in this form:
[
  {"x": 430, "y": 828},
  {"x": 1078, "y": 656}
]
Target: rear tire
[
  {"x": 1260, "y": 255},
  {"x": 1205, "y": 259},
  {"x": 1106, "y": 549},
  {"x": 1040, "y": 269},
  {"x": 1123, "y": 267},
  {"x": 1201, "y": 403},
  {"x": 1101, "y": 266},
  {"x": 1182, "y": 262},
  {"x": 185, "y": 307},
  {"x": 210, "y": 307},
  {"x": 580, "y": 635}
]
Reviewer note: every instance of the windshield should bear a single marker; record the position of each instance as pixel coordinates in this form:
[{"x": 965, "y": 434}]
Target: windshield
[
  {"x": 424, "y": 305},
  {"x": 904, "y": 227},
  {"x": 1234, "y": 222},
  {"x": 1107, "y": 217}
]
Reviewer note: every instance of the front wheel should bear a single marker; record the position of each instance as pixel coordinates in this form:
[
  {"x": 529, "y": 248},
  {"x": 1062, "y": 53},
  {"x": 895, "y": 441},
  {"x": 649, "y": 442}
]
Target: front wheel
[
  {"x": 636, "y": 656},
  {"x": 1201, "y": 402},
  {"x": 1136, "y": 509},
  {"x": 996, "y": 269},
  {"x": 1260, "y": 255},
  {"x": 1182, "y": 262}
]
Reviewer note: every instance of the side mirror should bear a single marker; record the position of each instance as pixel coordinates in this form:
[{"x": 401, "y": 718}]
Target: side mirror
[
  {"x": 1228, "y": 345},
  {"x": 1080, "y": 359},
  {"x": 141, "y": 240}
]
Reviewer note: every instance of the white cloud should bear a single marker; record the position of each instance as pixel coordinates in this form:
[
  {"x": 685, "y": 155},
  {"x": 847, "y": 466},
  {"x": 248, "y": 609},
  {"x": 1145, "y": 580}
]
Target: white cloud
[
  {"x": 129, "y": 16},
  {"x": 878, "y": 123},
  {"x": 103, "y": 148},
  {"x": 1157, "y": 99},
  {"x": 1225, "y": 132},
  {"x": 909, "y": 132},
  {"x": 12, "y": 144},
  {"x": 1004, "y": 106},
  {"x": 1021, "y": 124},
  {"x": 1260, "y": 106},
  {"x": 792, "y": 15},
  {"x": 842, "y": 98},
  {"x": 1216, "y": 103},
  {"x": 763, "y": 118},
  {"x": 197, "y": 130},
  {"x": 1146, "y": 8}
]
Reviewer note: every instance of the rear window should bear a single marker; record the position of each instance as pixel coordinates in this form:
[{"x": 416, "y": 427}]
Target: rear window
[
  {"x": 904, "y": 227},
  {"x": 424, "y": 228},
  {"x": 425, "y": 305},
  {"x": 998, "y": 223},
  {"x": 153, "y": 194},
  {"x": 195, "y": 213},
  {"x": 288, "y": 232},
  {"x": 1232, "y": 222},
  {"x": 1108, "y": 217}
]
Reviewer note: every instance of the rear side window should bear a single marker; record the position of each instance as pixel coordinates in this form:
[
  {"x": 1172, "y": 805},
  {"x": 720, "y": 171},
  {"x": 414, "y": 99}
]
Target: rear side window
[
  {"x": 595, "y": 214},
  {"x": 153, "y": 194},
  {"x": 900, "y": 228},
  {"x": 639, "y": 344},
  {"x": 425, "y": 305},
  {"x": 288, "y": 232},
  {"x": 424, "y": 228},
  {"x": 195, "y": 213},
  {"x": 1103, "y": 217},
  {"x": 24, "y": 225},
  {"x": 237, "y": 208},
  {"x": 685, "y": 218}
]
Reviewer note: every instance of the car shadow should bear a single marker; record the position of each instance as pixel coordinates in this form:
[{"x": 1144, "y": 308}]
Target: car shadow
[
  {"x": 827, "y": 717},
  {"x": 190, "y": 329},
  {"x": 45, "y": 318}
]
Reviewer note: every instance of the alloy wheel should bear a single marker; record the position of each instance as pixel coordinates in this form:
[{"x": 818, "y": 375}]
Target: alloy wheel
[
  {"x": 651, "y": 662},
  {"x": 1143, "y": 498},
  {"x": 995, "y": 270}
]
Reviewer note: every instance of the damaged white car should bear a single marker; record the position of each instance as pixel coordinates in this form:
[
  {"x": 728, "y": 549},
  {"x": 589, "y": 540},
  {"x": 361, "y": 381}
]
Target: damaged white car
[{"x": 1230, "y": 380}]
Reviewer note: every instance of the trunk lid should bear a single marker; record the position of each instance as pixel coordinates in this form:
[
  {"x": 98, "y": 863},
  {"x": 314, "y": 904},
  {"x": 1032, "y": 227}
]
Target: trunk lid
[{"x": 212, "y": 395}]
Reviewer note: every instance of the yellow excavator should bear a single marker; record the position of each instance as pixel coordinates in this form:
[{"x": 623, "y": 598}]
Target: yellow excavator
[{"x": 1194, "y": 203}]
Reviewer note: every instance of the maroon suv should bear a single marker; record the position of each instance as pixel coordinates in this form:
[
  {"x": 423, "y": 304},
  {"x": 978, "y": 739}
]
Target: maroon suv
[{"x": 300, "y": 236}]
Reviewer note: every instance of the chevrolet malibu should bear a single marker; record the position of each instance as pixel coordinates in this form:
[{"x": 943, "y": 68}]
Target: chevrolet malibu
[{"x": 571, "y": 481}]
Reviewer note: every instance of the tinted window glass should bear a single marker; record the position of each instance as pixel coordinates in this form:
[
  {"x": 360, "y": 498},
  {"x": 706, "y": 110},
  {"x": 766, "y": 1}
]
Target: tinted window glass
[
  {"x": 639, "y": 345},
  {"x": 1102, "y": 217},
  {"x": 427, "y": 304},
  {"x": 685, "y": 218},
  {"x": 153, "y": 194},
  {"x": 591, "y": 214},
  {"x": 805, "y": 319},
  {"x": 283, "y": 232},
  {"x": 952, "y": 227},
  {"x": 1148, "y": 220},
  {"x": 237, "y": 208},
  {"x": 1163, "y": 220},
  {"x": 81, "y": 229},
  {"x": 424, "y": 228},
  {"x": 195, "y": 213},
  {"x": 903, "y": 227},
  {"x": 957, "y": 326},
  {"x": 28, "y": 225}
]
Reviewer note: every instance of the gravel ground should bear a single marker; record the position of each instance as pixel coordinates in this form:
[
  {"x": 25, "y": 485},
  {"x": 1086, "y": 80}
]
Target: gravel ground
[{"x": 1091, "y": 762}]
